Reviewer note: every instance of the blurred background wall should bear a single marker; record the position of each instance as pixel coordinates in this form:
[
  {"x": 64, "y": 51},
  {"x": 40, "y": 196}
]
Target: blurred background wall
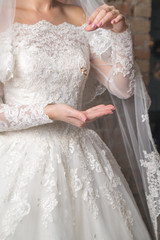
[{"x": 154, "y": 83}]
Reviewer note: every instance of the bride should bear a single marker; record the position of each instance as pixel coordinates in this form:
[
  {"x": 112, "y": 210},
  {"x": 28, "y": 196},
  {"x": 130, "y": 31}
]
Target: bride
[{"x": 58, "y": 179}]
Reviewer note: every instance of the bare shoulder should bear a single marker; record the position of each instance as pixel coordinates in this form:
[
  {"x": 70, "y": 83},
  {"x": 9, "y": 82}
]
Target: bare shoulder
[{"x": 74, "y": 14}]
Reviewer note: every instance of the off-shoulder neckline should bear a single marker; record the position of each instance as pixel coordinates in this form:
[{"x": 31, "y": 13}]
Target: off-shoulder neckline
[{"x": 44, "y": 21}]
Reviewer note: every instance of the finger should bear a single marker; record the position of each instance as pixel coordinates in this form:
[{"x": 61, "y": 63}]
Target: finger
[
  {"x": 95, "y": 108},
  {"x": 102, "y": 14},
  {"x": 97, "y": 16},
  {"x": 93, "y": 16},
  {"x": 101, "y": 107},
  {"x": 77, "y": 114},
  {"x": 119, "y": 18},
  {"x": 93, "y": 115},
  {"x": 93, "y": 118},
  {"x": 107, "y": 20},
  {"x": 110, "y": 106}
]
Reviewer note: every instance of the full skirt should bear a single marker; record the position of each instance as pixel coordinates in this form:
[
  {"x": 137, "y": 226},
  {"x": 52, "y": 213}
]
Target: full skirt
[{"x": 59, "y": 182}]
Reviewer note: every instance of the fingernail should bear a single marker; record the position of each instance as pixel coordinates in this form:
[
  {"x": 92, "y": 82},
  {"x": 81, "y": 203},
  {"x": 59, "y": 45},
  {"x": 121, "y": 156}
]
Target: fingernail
[
  {"x": 99, "y": 24},
  {"x": 84, "y": 119},
  {"x": 113, "y": 21},
  {"x": 93, "y": 25},
  {"x": 89, "y": 21}
]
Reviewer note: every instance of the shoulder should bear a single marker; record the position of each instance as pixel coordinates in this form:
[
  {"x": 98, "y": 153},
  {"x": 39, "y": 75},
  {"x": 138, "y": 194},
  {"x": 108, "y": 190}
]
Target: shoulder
[{"x": 74, "y": 14}]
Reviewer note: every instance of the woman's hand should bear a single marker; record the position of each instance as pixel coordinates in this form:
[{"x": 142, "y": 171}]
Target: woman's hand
[
  {"x": 107, "y": 17},
  {"x": 98, "y": 111},
  {"x": 66, "y": 113}
]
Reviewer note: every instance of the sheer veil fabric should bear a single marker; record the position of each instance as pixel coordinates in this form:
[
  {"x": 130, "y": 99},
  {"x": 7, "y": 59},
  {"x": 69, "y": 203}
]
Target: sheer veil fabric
[{"x": 127, "y": 133}]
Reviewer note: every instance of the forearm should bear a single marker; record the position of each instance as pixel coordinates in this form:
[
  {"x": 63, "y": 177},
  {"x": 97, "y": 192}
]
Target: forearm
[
  {"x": 15, "y": 117},
  {"x": 123, "y": 65}
]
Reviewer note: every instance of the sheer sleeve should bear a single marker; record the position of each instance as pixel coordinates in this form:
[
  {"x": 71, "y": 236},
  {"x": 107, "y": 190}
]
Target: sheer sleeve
[
  {"x": 17, "y": 117},
  {"x": 114, "y": 68}
]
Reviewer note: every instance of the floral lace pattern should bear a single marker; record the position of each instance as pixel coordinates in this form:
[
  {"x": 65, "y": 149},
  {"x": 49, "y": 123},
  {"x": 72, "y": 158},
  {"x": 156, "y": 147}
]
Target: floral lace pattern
[
  {"x": 124, "y": 58},
  {"x": 145, "y": 117},
  {"x": 47, "y": 64},
  {"x": 21, "y": 117},
  {"x": 16, "y": 196},
  {"x": 82, "y": 182},
  {"x": 116, "y": 200},
  {"x": 66, "y": 164},
  {"x": 151, "y": 164},
  {"x": 118, "y": 53},
  {"x": 43, "y": 66}
]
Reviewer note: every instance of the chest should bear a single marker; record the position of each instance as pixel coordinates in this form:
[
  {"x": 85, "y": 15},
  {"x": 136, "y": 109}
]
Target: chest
[
  {"x": 44, "y": 48},
  {"x": 54, "y": 60}
]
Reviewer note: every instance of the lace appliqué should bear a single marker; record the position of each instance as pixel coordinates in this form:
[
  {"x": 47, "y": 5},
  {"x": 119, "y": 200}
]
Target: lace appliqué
[
  {"x": 90, "y": 195},
  {"x": 145, "y": 117},
  {"x": 76, "y": 183},
  {"x": 116, "y": 50},
  {"x": 94, "y": 164},
  {"x": 53, "y": 47},
  {"x": 152, "y": 165},
  {"x": 122, "y": 56},
  {"x": 36, "y": 42},
  {"x": 100, "y": 42},
  {"x": 21, "y": 117},
  {"x": 116, "y": 200},
  {"x": 109, "y": 189},
  {"x": 16, "y": 194},
  {"x": 49, "y": 200}
]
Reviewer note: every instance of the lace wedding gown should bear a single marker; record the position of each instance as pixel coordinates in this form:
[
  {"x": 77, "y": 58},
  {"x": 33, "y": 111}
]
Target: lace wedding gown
[{"x": 59, "y": 182}]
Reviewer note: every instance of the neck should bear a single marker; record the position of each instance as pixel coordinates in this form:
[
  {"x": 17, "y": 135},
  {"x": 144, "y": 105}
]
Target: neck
[{"x": 36, "y": 5}]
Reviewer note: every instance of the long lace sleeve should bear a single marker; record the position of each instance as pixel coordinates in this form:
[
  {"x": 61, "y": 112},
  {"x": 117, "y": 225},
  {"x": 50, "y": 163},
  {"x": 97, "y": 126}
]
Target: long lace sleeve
[
  {"x": 16, "y": 117},
  {"x": 115, "y": 68}
]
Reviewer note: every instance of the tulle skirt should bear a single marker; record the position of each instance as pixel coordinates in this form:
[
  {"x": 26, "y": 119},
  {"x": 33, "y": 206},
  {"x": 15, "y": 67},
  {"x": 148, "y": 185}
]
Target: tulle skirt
[{"x": 59, "y": 182}]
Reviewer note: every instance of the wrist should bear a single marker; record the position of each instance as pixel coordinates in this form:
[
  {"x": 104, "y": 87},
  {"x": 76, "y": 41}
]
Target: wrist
[
  {"x": 47, "y": 111},
  {"x": 121, "y": 30}
]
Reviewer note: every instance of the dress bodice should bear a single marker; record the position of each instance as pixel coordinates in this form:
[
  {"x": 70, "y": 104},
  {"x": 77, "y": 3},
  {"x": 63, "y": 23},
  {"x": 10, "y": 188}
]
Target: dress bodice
[
  {"x": 51, "y": 64},
  {"x": 45, "y": 64}
]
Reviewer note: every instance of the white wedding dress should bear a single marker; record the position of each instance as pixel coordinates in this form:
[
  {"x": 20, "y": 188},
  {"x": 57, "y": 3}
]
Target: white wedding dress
[{"x": 57, "y": 181}]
